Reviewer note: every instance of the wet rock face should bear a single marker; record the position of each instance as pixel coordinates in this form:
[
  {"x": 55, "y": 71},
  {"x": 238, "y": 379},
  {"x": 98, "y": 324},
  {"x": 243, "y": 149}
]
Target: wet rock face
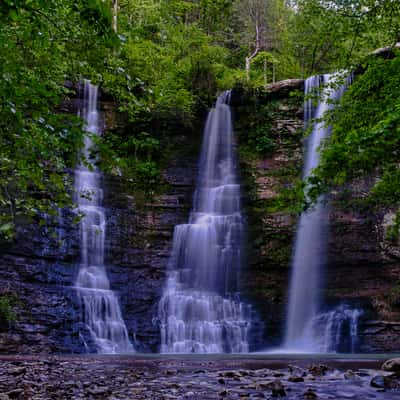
[
  {"x": 40, "y": 268},
  {"x": 363, "y": 269},
  {"x": 362, "y": 264},
  {"x": 138, "y": 245},
  {"x": 37, "y": 274},
  {"x": 271, "y": 218}
]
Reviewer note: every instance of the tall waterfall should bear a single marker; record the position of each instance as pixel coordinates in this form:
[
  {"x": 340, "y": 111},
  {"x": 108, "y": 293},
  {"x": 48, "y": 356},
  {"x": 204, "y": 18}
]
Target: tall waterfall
[
  {"x": 102, "y": 313},
  {"x": 312, "y": 231},
  {"x": 199, "y": 311}
]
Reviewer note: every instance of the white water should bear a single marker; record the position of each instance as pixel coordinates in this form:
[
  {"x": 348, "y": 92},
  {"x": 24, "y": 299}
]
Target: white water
[
  {"x": 101, "y": 310},
  {"x": 311, "y": 237},
  {"x": 199, "y": 312},
  {"x": 337, "y": 330}
]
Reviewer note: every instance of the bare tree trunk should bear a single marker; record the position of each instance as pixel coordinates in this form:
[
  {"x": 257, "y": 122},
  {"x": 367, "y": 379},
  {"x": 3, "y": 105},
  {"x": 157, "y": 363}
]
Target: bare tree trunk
[
  {"x": 115, "y": 15},
  {"x": 248, "y": 60},
  {"x": 257, "y": 49}
]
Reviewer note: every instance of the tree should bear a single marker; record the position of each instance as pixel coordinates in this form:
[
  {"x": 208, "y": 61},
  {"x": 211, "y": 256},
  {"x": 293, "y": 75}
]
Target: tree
[
  {"x": 115, "y": 15},
  {"x": 327, "y": 35},
  {"x": 42, "y": 43},
  {"x": 366, "y": 134},
  {"x": 261, "y": 24}
]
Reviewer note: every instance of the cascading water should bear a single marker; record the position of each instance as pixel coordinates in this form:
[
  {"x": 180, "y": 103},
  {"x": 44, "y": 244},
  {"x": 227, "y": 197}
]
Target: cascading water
[
  {"x": 311, "y": 236},
  {"x": 337, "y": 330},
  {"x": 102, "y": 313},
  {"x": 199, "y": 312}
]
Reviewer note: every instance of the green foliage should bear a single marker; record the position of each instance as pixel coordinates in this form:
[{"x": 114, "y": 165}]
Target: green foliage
[
  {"x": 393, "y": 296},
  {"x": 393, "y": 231},
  {"x": 366, "y": 134},
  {"x": 163, "y": 67},
  {"x": 258, "y": 137},
  {"x": 165, "y": 73},
  {"x": 7, "y": 314},
  {"x": 264, "y": 144},
  {"x": 42, "y": 43},
  {"x": 326, "y": 35}
]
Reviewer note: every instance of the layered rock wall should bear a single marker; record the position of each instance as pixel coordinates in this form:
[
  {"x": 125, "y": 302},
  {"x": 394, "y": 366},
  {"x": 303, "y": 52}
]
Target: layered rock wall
[
  {"x": 363, "y": 265},
  {"x": 39, "y": 269}
]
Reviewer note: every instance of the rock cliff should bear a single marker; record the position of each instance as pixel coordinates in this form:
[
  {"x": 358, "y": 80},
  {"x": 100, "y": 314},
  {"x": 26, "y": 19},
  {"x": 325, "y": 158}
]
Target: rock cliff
[
  {"x": 363, "y": 264},
  {"x": 39, "y": 268}
]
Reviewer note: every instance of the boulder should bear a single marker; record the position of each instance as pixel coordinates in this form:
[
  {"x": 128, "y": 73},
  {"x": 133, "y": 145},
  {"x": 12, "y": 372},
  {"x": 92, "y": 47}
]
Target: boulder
[
  {"x": 392, "y": 365},
  {"x": 386, "y": 382},
  {"x": 277, "y": 388},
  {"x": 310, "y": 395},
  {"x": 285, "y": 86},
  {"x": 318, "y": 369}
]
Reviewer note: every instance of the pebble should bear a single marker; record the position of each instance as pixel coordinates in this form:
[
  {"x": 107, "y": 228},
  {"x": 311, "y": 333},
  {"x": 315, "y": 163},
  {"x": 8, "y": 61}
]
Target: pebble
[
  {"x": 82, "y": 378},
  {"x": 310, "y": 395}
]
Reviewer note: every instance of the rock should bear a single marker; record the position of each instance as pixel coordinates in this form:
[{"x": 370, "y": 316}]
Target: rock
[
  {"x": 386, "y": 382},
  {"x": 392, "y": 365},
  {"x": 350, "y": 375},
  {"x": 310, "y": 395},
  {"x": 174, "y": 385},
  {"x": 40, "y": 267},
  {"x": 318, "y": 370},
  {"x": 98, "y": 390},
  {"x": 297, "y": 371},
  {"x": 285, "y": 86},
  {"x": 231, "y": 374},
  {"x": 15, "y": 394},
  {"x": 171, "y": 372},
  {"x": 386, "y": 52},
  {"x": 264, "y": 384},
  {"x": 295, "y": 379},
  {"x": 378, "y": 381},
  {"x": 17, "y": 371},
  {"x": 277, "y": 388}
]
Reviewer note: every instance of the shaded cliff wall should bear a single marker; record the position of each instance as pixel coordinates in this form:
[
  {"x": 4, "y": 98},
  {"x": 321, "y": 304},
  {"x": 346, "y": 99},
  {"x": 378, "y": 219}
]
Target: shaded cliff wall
[
  {"x": 363, "y": 265},
  {"x": 268, "y": 179},
  {"x": 39, "y": 268}
]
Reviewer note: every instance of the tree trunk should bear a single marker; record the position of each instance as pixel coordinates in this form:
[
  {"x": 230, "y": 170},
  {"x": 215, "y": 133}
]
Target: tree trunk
[
  {"x": 248, "y": 60},
  {"x": 257, "y": 49},
  {"x": 115, "y": 15}
]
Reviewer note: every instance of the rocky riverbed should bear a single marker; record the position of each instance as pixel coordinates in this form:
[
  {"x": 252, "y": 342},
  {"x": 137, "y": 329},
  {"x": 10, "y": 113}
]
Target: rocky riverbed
[{"x": 120, "y": 377}]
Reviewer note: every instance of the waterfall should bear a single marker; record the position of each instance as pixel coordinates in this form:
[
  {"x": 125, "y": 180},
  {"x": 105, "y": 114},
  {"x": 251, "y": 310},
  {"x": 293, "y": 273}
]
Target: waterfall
[
  {"x": 312, "y": 232},
  {"x": 199, "y": 311},
  {"x": 337, "y": 330},
  {"x": 101, "y": 310}
]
